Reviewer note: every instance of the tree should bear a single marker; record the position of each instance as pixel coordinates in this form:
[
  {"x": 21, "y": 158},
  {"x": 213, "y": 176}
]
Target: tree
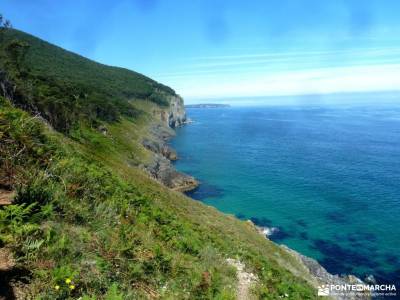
[
  {"x": 16, "y": 51},
  {"x": 7, "y": 24},
  {"x": 1, "y": 28},
  {"x": 4, "y": 23}
]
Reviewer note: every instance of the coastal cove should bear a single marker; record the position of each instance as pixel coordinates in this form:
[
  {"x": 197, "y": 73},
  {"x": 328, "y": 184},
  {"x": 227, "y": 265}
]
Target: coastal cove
[{"x": 323, "y": 179}]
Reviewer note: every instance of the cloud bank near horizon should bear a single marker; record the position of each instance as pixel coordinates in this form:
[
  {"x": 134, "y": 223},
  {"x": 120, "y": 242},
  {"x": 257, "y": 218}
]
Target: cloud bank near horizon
[{"x": 292, "y": 73}]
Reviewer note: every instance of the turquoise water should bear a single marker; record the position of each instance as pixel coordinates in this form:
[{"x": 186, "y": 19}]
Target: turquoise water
[{"x": 328, "y": 177}]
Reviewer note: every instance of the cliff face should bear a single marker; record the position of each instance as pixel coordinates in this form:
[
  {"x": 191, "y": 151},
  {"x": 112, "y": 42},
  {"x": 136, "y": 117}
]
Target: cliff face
[
  {"x": 161, "y": 168},
  {"x": 177, "y": 113},
  {"x": 174, "y": 115}
]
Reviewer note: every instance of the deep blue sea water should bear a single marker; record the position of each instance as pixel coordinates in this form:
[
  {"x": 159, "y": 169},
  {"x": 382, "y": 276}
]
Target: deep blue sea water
[{"x": 328, "y": 177}]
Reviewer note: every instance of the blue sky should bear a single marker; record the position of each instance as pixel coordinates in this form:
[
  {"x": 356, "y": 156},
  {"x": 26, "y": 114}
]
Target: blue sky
[{"x": 215, "y": 48}]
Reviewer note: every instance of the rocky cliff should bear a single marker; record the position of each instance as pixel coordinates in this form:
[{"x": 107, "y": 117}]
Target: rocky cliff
[
  {"x": 174, "y": 115},
  {"x": 160, "y": 167}
]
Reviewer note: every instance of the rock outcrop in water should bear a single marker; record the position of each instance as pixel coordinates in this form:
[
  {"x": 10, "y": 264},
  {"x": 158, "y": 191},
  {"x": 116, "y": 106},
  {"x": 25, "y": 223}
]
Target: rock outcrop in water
[
  {"x": 160, "y": 148},
  {"x": 162, "y": 170}
]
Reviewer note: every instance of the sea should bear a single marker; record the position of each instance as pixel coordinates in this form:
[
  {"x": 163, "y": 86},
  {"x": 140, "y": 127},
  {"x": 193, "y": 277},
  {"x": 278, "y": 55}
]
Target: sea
[{"x": 322, "y": 178}]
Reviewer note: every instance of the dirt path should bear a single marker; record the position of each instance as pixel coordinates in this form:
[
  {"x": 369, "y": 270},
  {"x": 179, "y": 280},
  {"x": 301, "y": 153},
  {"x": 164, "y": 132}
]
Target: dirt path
[
  {"x": 245, "y": 280},
  {"x": 6, "y": 260},
  {"x": 12, "y": 278},
  {"x": 6, "y": 197},
  {"x": 6, "y": 265}
]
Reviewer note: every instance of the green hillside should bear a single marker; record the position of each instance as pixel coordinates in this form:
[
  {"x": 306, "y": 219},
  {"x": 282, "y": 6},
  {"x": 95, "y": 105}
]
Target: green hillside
[
  {"x": 86, "y": 221},
  {"x": 67, "y": 87}
]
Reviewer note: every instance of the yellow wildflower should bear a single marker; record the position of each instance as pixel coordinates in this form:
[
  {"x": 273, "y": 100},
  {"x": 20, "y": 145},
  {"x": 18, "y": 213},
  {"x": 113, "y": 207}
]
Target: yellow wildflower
[
  {"x": 57, "y": 287},
  {"x": 68, "y": 281},
  {"x": 72, "y": 287}
]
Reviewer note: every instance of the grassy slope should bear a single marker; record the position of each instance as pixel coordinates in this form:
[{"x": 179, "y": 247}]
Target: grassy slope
[
  {"x": 69, "y": 89},
  {"x": 44, "y": 58},
  {"x": 84, "y": 212}
]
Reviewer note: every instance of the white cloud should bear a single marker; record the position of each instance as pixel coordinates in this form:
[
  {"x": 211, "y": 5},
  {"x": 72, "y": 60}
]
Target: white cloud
[
  {"x": 324, "y": 80},
  {"x": 288, "y": 73}
]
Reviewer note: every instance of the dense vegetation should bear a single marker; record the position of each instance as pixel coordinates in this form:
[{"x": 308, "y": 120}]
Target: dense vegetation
[
  {"x": 66, "y": 88},
  {"x": 85, "y": 222}
]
